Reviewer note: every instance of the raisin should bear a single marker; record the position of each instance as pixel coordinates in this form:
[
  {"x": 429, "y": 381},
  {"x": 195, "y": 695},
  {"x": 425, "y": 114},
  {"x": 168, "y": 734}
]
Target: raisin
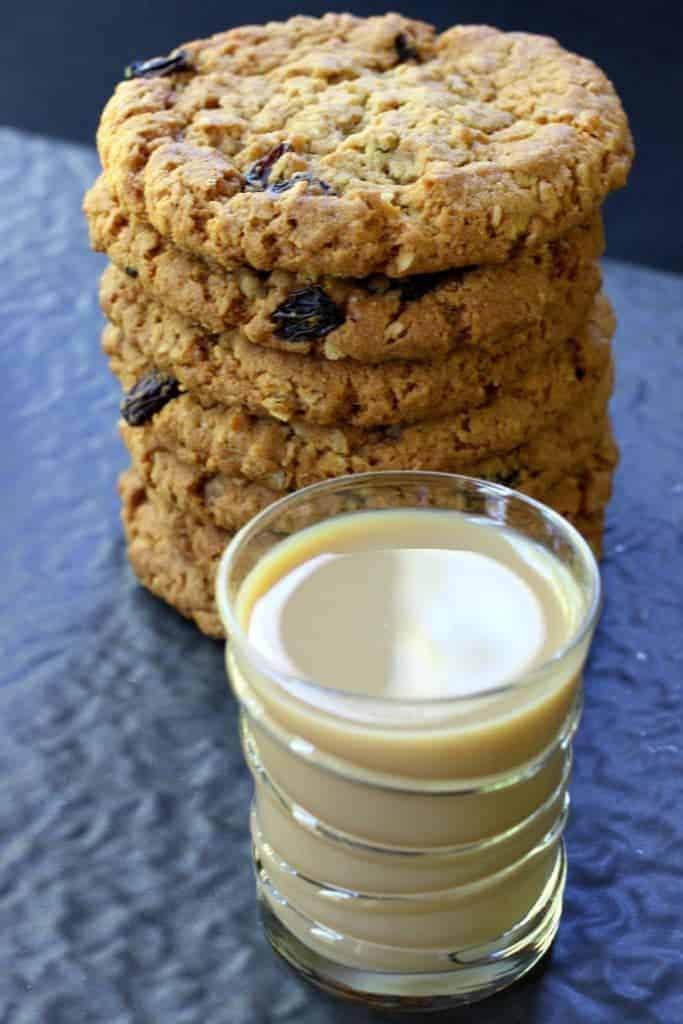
[
  {"x": 306, "y": 313},
  {"x": 158, "y": 66},
  {"x": 315, "y": 184},
  {"x": 258, "y": 174},
  {"x": 131, "y": 271},
  {"x": 404, "y": 49},
  {"x": 417, "y": 286},
  {"x": 148, "y": 396}
]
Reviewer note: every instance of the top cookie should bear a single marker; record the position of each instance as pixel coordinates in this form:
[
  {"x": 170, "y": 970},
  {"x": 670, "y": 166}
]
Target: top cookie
[{"x": 351, "y": 146}]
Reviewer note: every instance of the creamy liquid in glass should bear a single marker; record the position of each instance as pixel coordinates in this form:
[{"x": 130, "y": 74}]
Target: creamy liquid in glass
[
  {"x": 410, "y": 623},
  {"x": 405, "y": 623}
]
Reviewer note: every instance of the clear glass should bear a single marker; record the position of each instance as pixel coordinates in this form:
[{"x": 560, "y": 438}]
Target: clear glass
[{"x": 443, "y": 883}]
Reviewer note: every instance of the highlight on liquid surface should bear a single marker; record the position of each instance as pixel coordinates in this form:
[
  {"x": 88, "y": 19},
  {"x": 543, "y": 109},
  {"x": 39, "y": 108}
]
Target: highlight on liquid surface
[{"x": 408, "y": 604}]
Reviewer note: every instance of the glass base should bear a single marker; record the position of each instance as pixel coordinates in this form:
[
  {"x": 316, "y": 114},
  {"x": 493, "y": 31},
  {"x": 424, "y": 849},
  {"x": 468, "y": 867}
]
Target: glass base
[{"x": 475, "y": 974}]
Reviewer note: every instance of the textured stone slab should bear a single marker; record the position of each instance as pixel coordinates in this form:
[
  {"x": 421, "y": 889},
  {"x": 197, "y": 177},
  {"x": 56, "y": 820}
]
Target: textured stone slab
[{"x": 125, "y": 884}]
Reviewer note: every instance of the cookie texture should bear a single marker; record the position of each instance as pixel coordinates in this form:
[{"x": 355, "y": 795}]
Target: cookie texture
[
  {"x": 535, "y": 295},
  {"x": 361, "y": 146},
  {"x": 176, "y": 568},
  {"x": 229, "y": 370},
  {"x": 176, "y": 556},
  {"x": 284, "y": 385},
  {"x": 227, "y": 501},
  {"x": 228, "y": 441}
]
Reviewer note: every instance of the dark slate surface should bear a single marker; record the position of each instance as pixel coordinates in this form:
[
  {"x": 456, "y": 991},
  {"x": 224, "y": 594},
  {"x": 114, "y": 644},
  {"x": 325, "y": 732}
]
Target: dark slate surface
[{"x": 125, "y": 884}]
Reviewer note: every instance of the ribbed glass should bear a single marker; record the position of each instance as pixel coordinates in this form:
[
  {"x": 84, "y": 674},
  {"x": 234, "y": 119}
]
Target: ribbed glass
[{"x": 417, "y": 890}]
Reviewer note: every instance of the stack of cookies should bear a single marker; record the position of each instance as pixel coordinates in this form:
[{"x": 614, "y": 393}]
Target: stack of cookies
[{"x": 345, "y": 244}]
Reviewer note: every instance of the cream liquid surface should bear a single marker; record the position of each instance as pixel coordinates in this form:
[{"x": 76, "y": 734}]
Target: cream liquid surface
[
  {"x": 404, "y": 623},
  {"x": 392, "y": 607}
]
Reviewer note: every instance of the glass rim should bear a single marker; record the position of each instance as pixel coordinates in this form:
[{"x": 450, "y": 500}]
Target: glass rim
[{"x": 235, "y": 633}]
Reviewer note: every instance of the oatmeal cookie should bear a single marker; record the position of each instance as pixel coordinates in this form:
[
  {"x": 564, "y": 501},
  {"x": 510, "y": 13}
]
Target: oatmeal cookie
[
  {"x": 283, "y": 457},
  {"x": 550, "y": 463},
  {"x": 535, "y": 296},
  {"x": 365, "y": 145},
  {"x": 287, "y": 456},
  {"x": 226, "y": 368},
  {"x": 165, "y": 561}
]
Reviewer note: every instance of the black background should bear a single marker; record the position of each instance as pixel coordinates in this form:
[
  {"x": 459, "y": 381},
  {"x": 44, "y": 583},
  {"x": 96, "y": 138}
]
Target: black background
[{"x": 60, "y": 60}]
